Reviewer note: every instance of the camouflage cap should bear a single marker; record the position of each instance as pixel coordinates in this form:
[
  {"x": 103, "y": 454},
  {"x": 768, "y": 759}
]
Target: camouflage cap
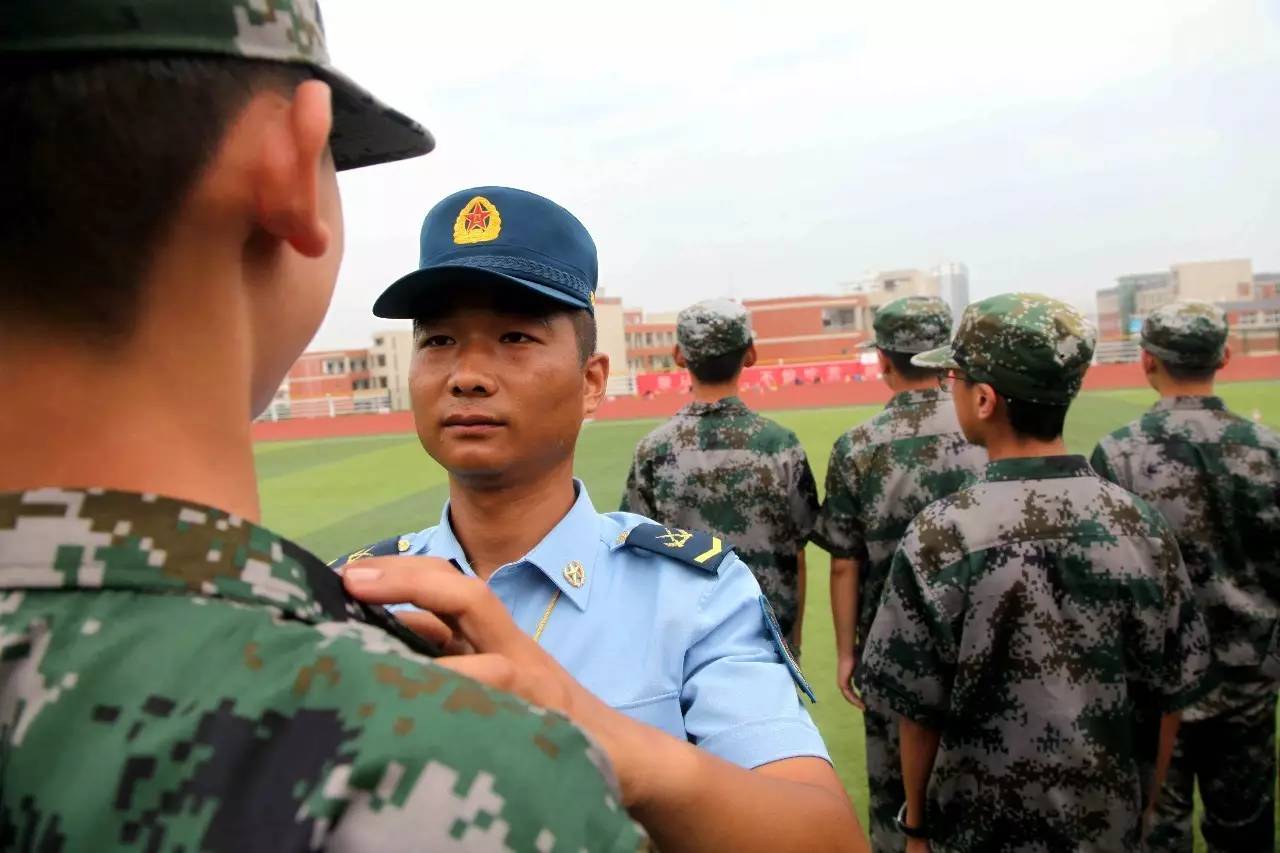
[
  {"x": 911, "y": 324},
  {"x": 1025, "y": 345},
  {"x": 365, "y": 131},
  {"x": 1188, "y": 334},
  {"x": 712, "y": 328}
]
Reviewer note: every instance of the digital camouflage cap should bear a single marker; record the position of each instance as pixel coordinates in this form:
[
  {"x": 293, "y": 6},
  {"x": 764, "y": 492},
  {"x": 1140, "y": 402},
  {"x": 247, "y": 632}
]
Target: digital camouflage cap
[
  {"x": 1188, "y": 334},
  {"x": 365, "y": 131},
  {"x": 712, "y": 328},
  {"x": 911, "y": 324},
  {"x": 1025, "y": 345}
]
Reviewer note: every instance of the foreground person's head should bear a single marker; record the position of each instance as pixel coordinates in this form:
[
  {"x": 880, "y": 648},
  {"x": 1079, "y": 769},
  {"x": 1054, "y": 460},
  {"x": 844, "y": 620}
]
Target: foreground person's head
[{"x": 172, "y": 164}]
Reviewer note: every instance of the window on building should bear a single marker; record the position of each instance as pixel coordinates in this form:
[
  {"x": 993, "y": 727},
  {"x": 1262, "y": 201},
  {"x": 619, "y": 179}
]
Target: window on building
[
  {"x": 382, "y": 382},
  {"x": 377, "y": 342},
  {"x": 648, "y": 339},
  {"x": 839, "y": 318},
  {"x": 382, "y": 360}
]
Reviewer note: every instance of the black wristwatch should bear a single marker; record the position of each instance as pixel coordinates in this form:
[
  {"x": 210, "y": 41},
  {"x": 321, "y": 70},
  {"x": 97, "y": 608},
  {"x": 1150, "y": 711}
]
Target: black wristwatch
[{"x": 920, "y": 832}]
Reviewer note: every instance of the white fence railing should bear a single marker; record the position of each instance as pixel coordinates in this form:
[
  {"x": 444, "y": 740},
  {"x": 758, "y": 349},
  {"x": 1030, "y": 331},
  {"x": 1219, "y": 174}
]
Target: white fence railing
[{"x": 327, "y": 407}]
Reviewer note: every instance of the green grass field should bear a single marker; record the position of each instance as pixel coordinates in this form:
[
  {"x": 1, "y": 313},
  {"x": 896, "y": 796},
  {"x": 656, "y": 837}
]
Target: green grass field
[{"x": 335, "y": 495}]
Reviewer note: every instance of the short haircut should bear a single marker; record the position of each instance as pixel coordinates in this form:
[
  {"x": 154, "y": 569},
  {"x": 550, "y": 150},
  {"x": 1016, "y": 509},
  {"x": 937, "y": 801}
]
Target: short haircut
[
  {"x": 1185, "y": 373},
  {"x": 902, "y": 365},
  {"x": 97, "y": 156},
  {"x": 719, "y": 369},
  {"x": 521, "y": 302}
]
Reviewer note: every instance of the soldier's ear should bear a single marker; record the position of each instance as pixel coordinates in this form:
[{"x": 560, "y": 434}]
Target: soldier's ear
[
  {"x": 678, "y": 357},
  {"x": 597, "y": 380},
  {"x": 750, "y": 358},
  {"x": 986, "y": 400},
  {"x": 1226, "y": 356}
]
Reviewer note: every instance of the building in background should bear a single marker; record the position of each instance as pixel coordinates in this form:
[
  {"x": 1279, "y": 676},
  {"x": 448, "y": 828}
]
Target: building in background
[
  {"x": 882, "y": 287},
  {"x": 611, "y": 339},
  {"x": 953, "y": 286},
  {"x": 650, "y": 340},
  {"x": 818, "y": 327},
  {"x": 389, "y": 360},
  {"x": 1250, "y": 301}
]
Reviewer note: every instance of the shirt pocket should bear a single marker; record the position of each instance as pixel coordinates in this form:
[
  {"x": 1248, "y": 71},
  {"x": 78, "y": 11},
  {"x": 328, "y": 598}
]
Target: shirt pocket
[{"x": 662, "y": 712}]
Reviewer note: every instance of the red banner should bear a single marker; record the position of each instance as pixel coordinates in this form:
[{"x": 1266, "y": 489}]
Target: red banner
[{"x": 766, "y": 378}]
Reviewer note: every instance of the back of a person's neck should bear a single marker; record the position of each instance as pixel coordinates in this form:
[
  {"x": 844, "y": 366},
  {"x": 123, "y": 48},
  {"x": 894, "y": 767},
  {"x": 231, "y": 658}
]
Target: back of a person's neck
[
  {"x": 1013, "y": 446},
  {"x": 1173, "y": 390},
  {"x": 902, "y": 386},
  {"x": 497, "y": 523},
  {"x": 127, "y": 419},
  {"x": 705, "y": 393}
]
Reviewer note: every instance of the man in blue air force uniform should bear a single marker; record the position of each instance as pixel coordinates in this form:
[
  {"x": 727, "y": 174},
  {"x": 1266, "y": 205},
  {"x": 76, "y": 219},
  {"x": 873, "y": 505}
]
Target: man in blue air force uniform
[{"x": 666, "y": 626}]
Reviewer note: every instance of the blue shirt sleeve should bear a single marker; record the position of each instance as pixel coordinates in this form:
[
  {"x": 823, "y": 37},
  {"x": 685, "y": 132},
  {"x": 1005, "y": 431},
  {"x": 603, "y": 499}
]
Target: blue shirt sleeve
[{"x": 738, "y": 698}]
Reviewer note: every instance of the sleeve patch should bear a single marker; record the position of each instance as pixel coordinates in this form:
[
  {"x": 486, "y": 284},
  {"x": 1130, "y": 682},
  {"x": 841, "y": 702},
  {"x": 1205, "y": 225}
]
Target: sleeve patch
[
  {"x": 700, "y": 550},
  {"x": 381, "y": 548},
  {"x": 775, "y": 633}
]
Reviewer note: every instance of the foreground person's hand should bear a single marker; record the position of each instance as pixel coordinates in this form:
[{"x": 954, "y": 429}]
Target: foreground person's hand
[{"x": 463, "y": 616}]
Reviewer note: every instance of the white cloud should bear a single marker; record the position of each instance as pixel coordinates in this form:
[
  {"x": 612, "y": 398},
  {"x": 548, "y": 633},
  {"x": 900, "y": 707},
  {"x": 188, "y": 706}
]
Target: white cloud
[{"x": 763, "y": 148}]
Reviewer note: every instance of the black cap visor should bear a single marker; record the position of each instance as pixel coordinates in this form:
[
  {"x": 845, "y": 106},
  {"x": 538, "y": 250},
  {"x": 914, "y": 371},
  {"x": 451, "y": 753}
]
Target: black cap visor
[{"x": 365, "y": 130}]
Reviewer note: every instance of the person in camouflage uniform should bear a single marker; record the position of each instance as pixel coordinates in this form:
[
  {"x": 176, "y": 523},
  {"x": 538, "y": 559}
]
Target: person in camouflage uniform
[
  {"x": 881, "y": 475},
  {"x": 1215, "y": 476},
  {"x": 1039, "y": 634},
  {"x": 174, "y": 676},
  {"x": 720, "y": 467}
]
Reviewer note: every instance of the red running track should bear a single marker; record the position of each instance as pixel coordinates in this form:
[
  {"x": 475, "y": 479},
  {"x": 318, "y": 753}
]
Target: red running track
[{"x": 1100, "y": 377}]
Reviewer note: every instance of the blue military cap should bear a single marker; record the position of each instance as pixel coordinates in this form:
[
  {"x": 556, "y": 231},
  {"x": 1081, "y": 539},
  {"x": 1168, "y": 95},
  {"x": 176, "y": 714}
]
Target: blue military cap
[{"x": 500, "y": 233}]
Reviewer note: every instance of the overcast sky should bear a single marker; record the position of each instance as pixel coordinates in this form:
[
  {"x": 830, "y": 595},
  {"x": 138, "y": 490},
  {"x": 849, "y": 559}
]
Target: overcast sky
[{"x": 767, "y": 149}]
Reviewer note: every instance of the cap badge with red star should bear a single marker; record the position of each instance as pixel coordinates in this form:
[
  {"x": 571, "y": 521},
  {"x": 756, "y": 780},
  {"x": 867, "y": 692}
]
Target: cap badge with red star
[{"x": 477, "y": 222}]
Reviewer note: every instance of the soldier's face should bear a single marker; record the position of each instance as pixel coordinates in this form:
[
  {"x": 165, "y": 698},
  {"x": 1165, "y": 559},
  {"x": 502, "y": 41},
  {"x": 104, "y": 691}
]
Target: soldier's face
[{"x": 499, "y": 395}]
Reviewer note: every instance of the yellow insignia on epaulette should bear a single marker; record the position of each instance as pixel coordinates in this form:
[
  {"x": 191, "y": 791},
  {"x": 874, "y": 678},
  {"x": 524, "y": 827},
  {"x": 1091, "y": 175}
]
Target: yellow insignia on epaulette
[
  {"x": 687, "y": 546},
  {"x": 477, "y": 222},
  {"x": 675, "y": 538}
]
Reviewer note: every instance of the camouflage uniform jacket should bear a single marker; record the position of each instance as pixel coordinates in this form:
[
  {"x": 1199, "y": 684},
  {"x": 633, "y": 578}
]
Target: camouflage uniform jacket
[
  {"x": 173, "y": 677},
  {"x": 722, "y": 468},
  {"x": 1042, "y": 621},
  {"x": 1216, "y": 477},
  {"x": 882, "y": 474}
]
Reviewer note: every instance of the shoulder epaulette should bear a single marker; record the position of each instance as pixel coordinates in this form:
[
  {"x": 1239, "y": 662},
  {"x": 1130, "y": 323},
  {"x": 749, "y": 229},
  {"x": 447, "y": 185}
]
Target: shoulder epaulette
[
  {"x": 701, "y": 550},
  {"x": 382, "y": 548}
]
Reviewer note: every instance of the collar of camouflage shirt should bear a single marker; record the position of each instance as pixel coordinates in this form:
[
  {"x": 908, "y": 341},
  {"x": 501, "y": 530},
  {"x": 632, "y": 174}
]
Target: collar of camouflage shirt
[
  {"x": 915, "y": 398},
  {"x": 98, "y": 539},
  {"x": 725, "y": 406},
  {"x": 1038, "y": 468},
  {"x": 1213, "y": 404}
]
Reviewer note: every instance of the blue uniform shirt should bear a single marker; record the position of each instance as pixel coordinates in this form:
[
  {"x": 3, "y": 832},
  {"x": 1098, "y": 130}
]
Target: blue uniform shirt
[{"x": 676, "y": 646}]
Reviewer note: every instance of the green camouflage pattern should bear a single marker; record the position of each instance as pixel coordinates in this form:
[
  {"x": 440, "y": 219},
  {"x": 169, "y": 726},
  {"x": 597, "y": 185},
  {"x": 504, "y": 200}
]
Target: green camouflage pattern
[
  {"x": 1231, "y": 759},
  {"x": 1042, "y": 621},
  {"x": 175, "y": 678},
  {"x": 711, "y": 328},
  {"x": 1215, "y": 476},
  {"x": 882, "y": 473},
  {"x": 1188, "y": 334},
  {"x": 365, "y": 131},
  {"x": 1025, "y": 345},
  {"x": 722, "y": 468},
  {"x": 911, "y": 324}
]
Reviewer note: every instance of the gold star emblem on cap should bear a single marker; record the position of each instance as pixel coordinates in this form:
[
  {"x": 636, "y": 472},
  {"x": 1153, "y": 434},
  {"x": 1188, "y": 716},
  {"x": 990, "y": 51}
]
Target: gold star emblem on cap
[
  {"x": 575, "y": 574},
  {"x": 402, "y": 545}
]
